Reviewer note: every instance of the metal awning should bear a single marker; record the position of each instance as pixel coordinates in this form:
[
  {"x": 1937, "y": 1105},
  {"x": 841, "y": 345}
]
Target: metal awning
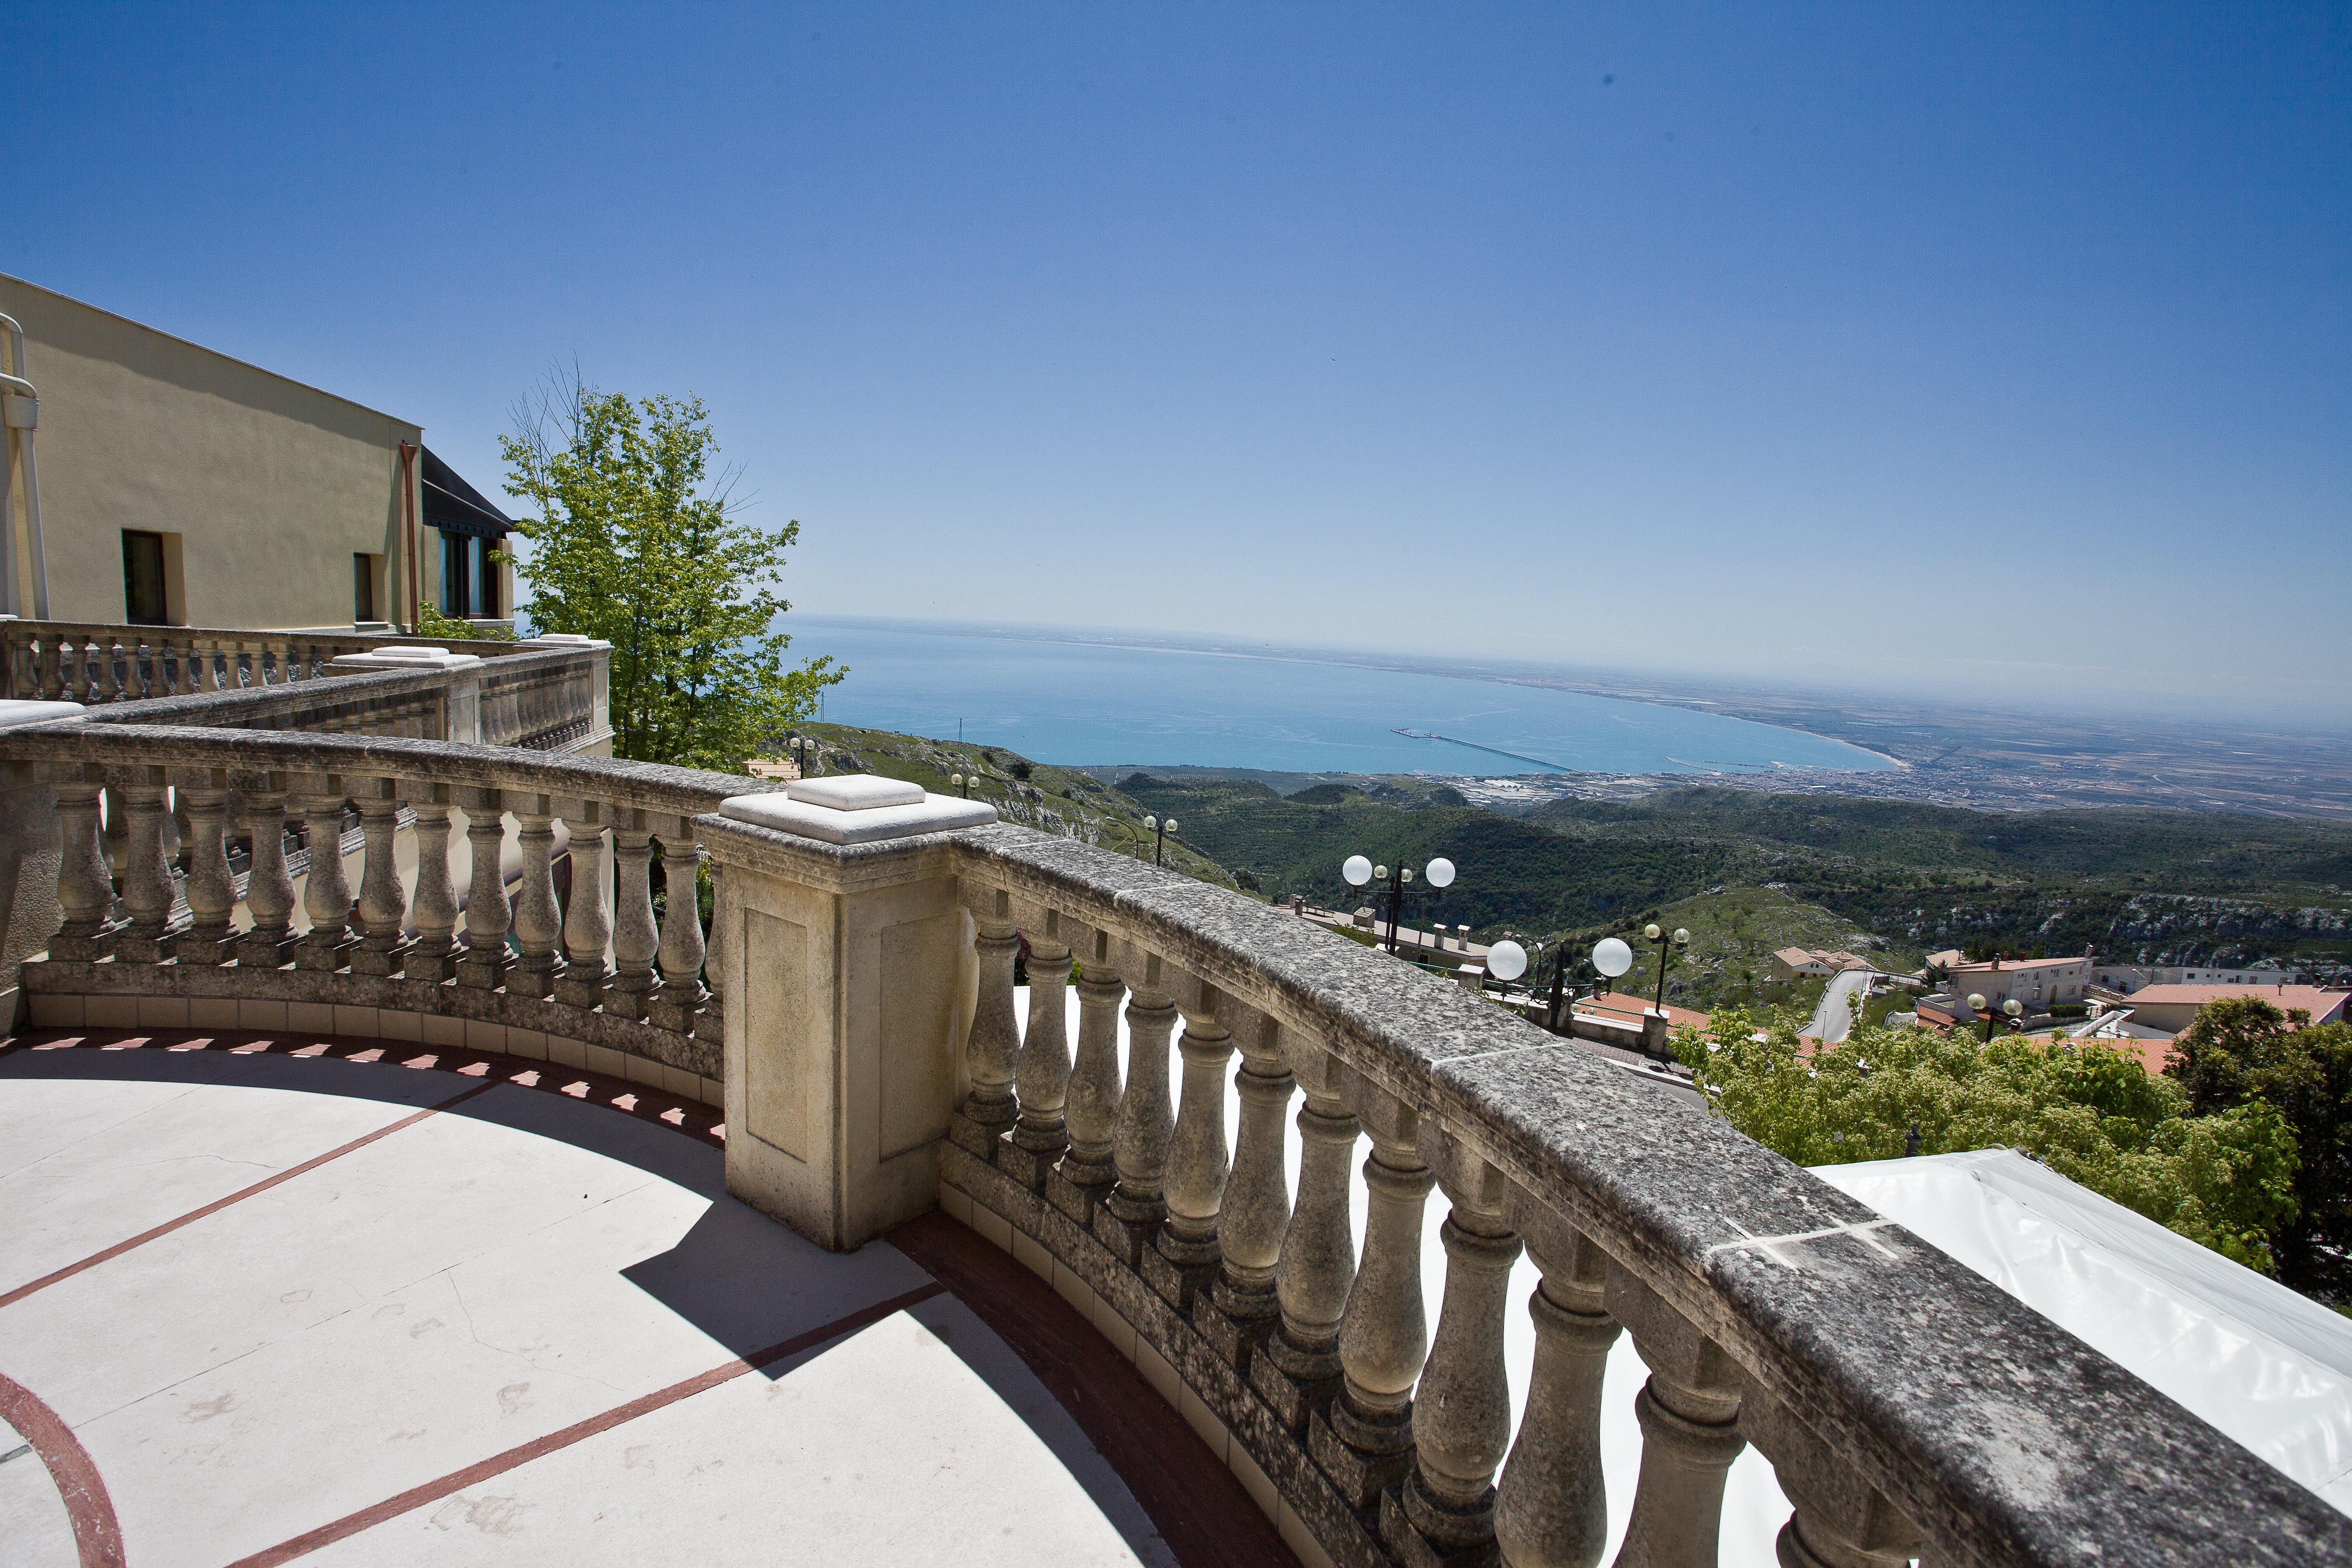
[{"x": 453, "y": 506}]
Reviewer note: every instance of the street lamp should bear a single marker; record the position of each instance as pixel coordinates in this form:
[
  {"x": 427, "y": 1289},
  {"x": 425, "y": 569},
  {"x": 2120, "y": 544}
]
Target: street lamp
[
  {"x": 1162, "y": 827},
  {"x": 1611, "y": 958},
  {"x": 1507, "y": 961},
  {"x": 1977, "y": 1005},
  {"x": 1359, "y": 871},
  {"x": 2015, "y": 1009},
  {"x": 1681, "y": 939},
  {"x": 957, "y": 781}
]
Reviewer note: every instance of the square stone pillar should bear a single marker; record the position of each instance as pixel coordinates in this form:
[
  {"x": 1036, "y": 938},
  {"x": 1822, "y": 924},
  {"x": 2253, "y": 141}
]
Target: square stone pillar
[{"x": 844, "y": 964}]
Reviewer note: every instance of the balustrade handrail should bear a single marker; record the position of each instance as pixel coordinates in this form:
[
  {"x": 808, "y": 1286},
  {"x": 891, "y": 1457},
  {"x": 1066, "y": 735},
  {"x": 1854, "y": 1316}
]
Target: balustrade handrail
[
  {"x": 2002, "y": 1438},
  {"x": 109, "y": 662},
  {"x": 649, "y": 786},
  {"x": 1768, "y": 1303},
  {"x": 133, "y": 634},
  {"x": 293, "y": 700}
]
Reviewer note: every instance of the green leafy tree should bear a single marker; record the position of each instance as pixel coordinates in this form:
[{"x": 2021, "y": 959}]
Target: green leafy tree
[
  {"x": 2224, "y": 1179},
  {"x": 2242, "y": 1050},
  {"x": 633, "y": 540}
]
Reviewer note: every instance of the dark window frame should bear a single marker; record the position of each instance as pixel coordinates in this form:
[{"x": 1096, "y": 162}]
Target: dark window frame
[{"x": 138, "y": 610}]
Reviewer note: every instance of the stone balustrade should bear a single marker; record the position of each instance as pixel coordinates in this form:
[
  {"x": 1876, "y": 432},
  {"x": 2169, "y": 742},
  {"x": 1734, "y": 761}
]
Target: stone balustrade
[
  {"x": 589, "y": 975},
  {"x": 88, "y": 661},
  {"x": 874, "y": 1065},
  {"x": 1910, "y": 1408}
]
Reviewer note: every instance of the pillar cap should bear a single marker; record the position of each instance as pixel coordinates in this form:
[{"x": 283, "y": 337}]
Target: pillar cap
[{"x": 829, "y": 825}]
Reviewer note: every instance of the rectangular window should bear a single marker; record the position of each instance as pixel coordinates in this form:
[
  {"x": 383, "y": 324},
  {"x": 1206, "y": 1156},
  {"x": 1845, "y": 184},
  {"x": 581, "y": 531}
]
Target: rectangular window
[
  {"x": 143, "y": 599},
  {"x": 486, "y": 579},
  {"x": 363, "y": 605},
  {"x": 456, "y": 582}
]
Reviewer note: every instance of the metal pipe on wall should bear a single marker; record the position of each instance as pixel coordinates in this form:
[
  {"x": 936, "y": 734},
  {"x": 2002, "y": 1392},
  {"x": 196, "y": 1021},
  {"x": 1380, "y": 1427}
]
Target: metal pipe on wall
[
  {"x": 408, "y": 523},
  {"x": 23, "y": 414}
]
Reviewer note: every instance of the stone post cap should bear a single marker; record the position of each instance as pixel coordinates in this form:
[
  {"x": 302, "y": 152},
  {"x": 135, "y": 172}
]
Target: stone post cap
[
  {"x": 856, "y": 809},
  {"x": 405, "y": 657},
  {"x": 563, "y": 639},
  {"x": 15, "y": 712},
  {"x": 855, "y": 792}
]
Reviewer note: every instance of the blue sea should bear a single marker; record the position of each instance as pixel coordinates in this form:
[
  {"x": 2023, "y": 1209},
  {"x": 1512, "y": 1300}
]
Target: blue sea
[{"x": 1075, "y": 702}]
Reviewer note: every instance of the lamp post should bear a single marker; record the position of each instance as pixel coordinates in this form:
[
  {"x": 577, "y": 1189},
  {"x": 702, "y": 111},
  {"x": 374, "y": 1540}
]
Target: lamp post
[
  {"x": 1977, "y": 1005},
  {"x": 1507, "y": 961},
  {"x": 957, "y": 781},
  {"x": 1681, "y": 939},
  {"x": 1161, "y": 827},
  {"x": 2015, "y": 1009},
  {"x": 1611, "y": 958},
  {"x": 1358, "y": 871}
]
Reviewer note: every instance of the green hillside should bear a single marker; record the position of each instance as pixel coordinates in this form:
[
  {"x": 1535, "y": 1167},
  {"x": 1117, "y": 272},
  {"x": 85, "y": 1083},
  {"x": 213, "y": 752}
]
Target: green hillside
[
  {"x": 2149, "y": 886},
  {"x": 1036, "y": 795},
  {"x": 1746, "y": 872}
]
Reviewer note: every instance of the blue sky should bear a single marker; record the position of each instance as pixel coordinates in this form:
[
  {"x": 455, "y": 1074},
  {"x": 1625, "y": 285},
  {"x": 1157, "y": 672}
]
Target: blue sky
[{"x": 1989, "y": 351}]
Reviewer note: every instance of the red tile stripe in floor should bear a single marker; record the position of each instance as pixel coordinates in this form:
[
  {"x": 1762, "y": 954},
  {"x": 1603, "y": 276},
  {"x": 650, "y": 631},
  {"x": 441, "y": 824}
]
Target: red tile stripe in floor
[
  {"x": 641, "y": 1100},
  {"x": 98, "y": 1539},
  {"x": 288, "y": 1175},
  {"x": 500, "y": 1464}
]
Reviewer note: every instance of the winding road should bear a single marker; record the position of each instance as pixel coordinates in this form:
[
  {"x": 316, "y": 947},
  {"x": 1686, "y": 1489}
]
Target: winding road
[{"x": 1833, "y": 1018}]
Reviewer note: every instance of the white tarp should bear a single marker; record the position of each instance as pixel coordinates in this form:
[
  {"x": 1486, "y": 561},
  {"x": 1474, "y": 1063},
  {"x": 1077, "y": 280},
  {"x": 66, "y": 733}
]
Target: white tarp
[{"x": 2271, "y": 1368}]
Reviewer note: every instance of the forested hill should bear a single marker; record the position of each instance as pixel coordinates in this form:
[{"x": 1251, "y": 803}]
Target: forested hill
[{"x": 2156, "y": 886}]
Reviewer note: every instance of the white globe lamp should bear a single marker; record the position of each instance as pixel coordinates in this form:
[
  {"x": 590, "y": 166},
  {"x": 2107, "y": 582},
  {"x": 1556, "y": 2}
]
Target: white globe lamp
[
  {"x": 1441, "y": 873},
  {"x": 1611, "y": 957},
  {"x": 1507, "y": 961},
  {"x": 1356, "y": 870}
]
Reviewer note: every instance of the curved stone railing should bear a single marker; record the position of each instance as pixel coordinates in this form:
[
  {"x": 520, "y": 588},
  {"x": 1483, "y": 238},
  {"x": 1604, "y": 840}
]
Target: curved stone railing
[
  {"x": 590, "y": 969},
  {"x": 540, "y": 698},
  {"x": 1909, "y": 1408},
  {"x": 90, "y": 661},
  {"x": 873, "y": 1067}
]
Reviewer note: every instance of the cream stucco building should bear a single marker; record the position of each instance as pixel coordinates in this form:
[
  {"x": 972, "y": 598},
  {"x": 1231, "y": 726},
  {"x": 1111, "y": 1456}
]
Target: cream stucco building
[{"x": 181, "y": 487}]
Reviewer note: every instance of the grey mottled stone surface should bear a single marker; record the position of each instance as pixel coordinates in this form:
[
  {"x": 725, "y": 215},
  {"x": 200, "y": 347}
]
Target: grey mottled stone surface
[{"x": 2004, "y": 1438}]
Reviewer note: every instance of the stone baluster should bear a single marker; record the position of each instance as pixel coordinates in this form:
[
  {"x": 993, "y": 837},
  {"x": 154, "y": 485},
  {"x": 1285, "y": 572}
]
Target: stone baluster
[
  {"x": 1090, "y": 1111},
  {"x": 634, "y": 939},
  {"x": 432, "y": 955},
  {"x": 146, "y": 874},
  {"x": 709, "y": 1024},
  {"x": 1462, "y": 1407},
  {"x": 1363, "y": 1440},
  {"x": 1840, "y": 1521},
  {"x": 1185, "y": 1257},
  {"x": 680, "y": 953},
  {"x": 587, "y": 926},
  {"x": 382, "y": 905},
  {"x": 85, "y": 887},
  {"x": 1242, "y": 1308},
  {"x": 994, "y": 1043},
  {"x": 1130, "y": 1217},
  {"x": 268, "y": 885},
  {"x": 1041, "y": 1073},
  {"x": 212, "y": 887},
  {"x": 1298, "y": 1370},
  {"x": 483, "y": 964},
  {"x": 1689, "y": 1412},
  {"x": 537, "y": 917},
  {"x": 326, "y": 893},
  {"x": 1551, "y": 1510}
]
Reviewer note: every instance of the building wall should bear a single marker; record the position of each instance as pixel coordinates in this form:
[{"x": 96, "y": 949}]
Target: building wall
[
  {"x": 2032, "y": 981},
  {"x": 271, "y": 486},
  {"x": 2126, "y": 978}
]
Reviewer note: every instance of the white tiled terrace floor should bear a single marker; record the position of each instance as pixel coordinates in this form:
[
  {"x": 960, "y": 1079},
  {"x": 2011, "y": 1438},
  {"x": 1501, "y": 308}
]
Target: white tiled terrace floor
[{"x": 516, "y": 1273}]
